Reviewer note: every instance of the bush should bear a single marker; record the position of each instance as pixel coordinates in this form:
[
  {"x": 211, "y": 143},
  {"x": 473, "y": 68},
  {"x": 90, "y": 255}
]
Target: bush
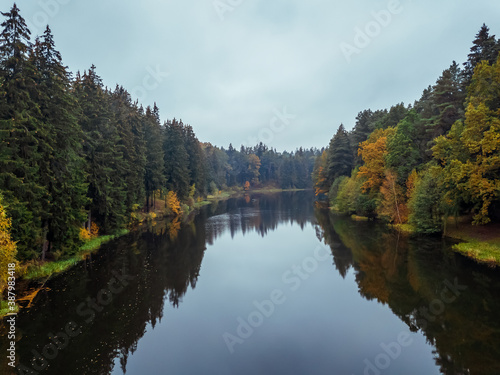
[
  {"x": 426, "y": 213},
  {"x": 213, "y": 188}
]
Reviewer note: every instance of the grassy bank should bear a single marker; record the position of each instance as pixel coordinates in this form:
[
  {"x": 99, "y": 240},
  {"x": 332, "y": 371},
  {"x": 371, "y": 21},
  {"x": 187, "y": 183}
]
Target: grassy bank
[
  {"x": 46, "y": 269},
  {"x": 481, "y": 243}
]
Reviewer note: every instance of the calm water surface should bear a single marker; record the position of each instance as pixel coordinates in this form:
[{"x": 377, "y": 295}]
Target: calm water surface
[{"x": 267, "y": 285}]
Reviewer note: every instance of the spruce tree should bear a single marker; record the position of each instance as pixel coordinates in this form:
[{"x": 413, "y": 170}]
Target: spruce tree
[
  {"x": 62, "y": 165},
  {"x": 21, "y": 136},
  {"x": 129, "y": 123},
  {"x": 176, "y": 159},
  {"x": 197, "y": 164},
  {"x": 103, "y": 153},
  {"x": 340, "y": 157},
  {"x": 154, "y": 178},
  {"x": 485, "y": 48}
]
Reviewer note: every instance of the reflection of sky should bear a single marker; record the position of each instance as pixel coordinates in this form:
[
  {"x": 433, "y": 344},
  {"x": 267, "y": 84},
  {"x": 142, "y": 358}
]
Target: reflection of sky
[{"x": 324, "y": 327}]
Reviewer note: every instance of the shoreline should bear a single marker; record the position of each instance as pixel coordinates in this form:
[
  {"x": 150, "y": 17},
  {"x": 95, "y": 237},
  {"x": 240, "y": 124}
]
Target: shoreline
[
  {"x": 479, "y": 243},
  {"x": 38, "y": 271}
]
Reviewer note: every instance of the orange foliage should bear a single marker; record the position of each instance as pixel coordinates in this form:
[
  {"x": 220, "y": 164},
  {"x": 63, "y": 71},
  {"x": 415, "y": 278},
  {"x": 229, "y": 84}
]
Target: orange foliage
[
  {"x": 393, "y": 204},
  {"x": 247, "y": 185},
  {"x": 320, "y": 185},
  {"x": 373, "y": 152}
]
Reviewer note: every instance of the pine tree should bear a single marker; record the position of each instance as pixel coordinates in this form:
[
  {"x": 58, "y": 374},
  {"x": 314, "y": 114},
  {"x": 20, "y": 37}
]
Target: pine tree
[
  {"x": 448, "y": 99},
  {"x": 485, "y": 48},
  {"x": 61, "y": 169},
  {"x": 197, "y": 166},
  {"x": 21, "y": 136},
  {"x": 176, "y": 159},
  {"x": 103, "y": 153},
  {"x": 361, "y": 131},
  {"x": 154, "y": 177},
  {"x": 340, "y": 157},
  {"x": 129, "y": 123}
]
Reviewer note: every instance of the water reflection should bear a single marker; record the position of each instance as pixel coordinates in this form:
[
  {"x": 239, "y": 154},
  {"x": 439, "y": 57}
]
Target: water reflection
[
  {"x": 409, "y": 275},
  {"x": 161, "y": 264}
]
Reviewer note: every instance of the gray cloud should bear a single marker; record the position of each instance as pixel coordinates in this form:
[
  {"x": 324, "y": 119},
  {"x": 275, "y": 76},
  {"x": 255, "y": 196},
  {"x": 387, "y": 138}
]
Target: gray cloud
[{"x": 227, "y": 76}]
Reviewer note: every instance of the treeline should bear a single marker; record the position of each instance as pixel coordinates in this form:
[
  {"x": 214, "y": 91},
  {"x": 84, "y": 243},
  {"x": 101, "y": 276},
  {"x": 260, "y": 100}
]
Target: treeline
[
  {"x": 75, "y": 154},
  {"x": 421, "y": 164}
]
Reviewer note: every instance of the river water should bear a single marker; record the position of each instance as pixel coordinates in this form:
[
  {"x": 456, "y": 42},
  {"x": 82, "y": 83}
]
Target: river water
[{"x": 266, "y": 284}]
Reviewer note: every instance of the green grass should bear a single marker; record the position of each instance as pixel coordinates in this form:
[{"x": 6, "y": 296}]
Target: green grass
[
  {"x": 271, "y": 190},
  {"x": 201, "y": 204},
  {"x": 39, "y": 271},
  {"x": 4, "y": 308},
  {"x": 96, "y": 243},
  {"x": 482, "y": 251},
  {"x": 47, "y": 269},
  {"x": 404, "y": 228},
  {"x": 223, "y": 195}
]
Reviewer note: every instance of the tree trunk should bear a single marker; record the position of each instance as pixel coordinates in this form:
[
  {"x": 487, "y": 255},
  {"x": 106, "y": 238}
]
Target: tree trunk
[
  {"x": 45, "y": 245},
  {"x": 89, "y": 222}
]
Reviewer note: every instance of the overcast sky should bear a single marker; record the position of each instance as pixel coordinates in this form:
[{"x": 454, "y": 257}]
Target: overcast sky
[{"x": 286, "y": 72}]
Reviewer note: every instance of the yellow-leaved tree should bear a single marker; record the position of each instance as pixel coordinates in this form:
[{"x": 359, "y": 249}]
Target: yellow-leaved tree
[
  {"x": 373, "y": 152},
  {"x": 173, "y": 204},
  {"x": 470, "y": 152},
  {"x": 8, "y": 249}
]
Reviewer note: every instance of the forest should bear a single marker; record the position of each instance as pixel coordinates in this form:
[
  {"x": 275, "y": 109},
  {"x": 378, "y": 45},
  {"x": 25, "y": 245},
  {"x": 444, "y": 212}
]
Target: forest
[
  {"x": 416, "y": 166},
  {"x": 77, "y": 157}
]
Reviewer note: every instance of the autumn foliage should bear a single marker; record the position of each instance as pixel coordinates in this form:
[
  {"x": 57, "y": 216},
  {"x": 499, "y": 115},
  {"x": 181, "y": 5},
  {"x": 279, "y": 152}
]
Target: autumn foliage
[
  {"x": 8, "y": 249},
  {"x": 373, "y": 152},
  {"x": 173, "y": 204}
]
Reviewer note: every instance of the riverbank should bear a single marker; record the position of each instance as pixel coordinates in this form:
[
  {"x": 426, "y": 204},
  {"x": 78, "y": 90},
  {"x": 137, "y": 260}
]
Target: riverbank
[
  {"x": 40, "y": 270},
  {"x": 43, "y": 271},
  {"x": 481, "y": 243}
]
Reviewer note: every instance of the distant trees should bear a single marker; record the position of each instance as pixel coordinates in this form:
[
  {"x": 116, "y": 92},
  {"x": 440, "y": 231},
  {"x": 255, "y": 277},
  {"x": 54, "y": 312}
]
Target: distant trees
[{"x": 76, "y": 156}]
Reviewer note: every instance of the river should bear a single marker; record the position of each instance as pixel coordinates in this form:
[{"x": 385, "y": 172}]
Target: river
[{"x": 266, "y": 284}]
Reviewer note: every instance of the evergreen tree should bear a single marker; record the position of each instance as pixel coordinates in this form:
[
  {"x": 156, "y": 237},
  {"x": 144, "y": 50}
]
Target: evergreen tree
[
  {"x": 21, "y": 136},
  {"x": 154, "y": 178},
  {"x": 129, "y": 123},
  {"x": 61, "y": 167},
  {"x": 485, "y": 48},
  {"x": 402, "y": 153},
  {"x": 103, "y": 153},
  {"x": 361, "y": 131},
  {"x": 176, "y": 159},
  {"x": 196, "y": 163},
  {"x": 340, "y": 157},
  {"x": 448, "y": 99}
]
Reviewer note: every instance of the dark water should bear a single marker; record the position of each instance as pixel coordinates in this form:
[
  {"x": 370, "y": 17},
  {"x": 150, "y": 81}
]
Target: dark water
[{"x": 266, "y": 285}]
